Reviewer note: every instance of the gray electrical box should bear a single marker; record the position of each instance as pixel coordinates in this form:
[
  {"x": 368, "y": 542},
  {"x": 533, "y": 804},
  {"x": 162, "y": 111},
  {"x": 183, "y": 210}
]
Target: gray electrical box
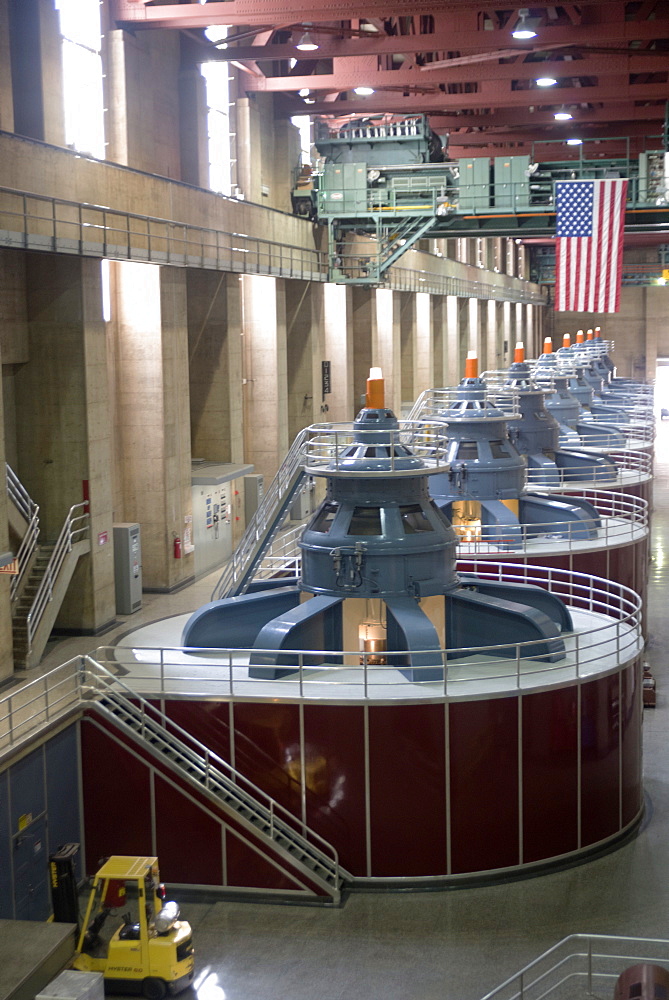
[
  {"x": 253, "y": 494},
  {"x": 127, "y": 568},
  {"x": 512, "y": 184},
  {"x": 303, "y": 504},
  {"x": 474, "y": 182}
]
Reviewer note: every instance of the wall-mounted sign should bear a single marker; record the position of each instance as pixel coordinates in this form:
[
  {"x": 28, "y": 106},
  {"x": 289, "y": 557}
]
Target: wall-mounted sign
[
  {"x": 103, "y": 538},
  {"x": 325, "y": 377}
]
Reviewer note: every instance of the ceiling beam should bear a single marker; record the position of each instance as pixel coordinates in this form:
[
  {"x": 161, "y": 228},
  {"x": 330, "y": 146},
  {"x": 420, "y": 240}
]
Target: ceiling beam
[
  {"x": 413, "y": 104},
  {"x": 364, "y": 71},
  {"x": 452, "y": 36},
  {"x": 509, "y": 117}
]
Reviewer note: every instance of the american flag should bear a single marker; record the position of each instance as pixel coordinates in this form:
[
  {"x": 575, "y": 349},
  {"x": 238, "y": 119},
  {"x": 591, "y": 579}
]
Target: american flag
[{"x": 589, "y": 244}]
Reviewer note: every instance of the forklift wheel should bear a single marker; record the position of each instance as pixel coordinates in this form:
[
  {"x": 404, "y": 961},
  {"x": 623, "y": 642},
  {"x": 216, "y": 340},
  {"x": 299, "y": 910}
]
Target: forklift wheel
[{"x": 154, "y": 989}]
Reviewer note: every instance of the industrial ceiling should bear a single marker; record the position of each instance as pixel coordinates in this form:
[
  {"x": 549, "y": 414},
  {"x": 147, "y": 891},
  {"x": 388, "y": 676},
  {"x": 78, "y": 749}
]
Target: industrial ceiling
[{"x": 456, "y": 60}]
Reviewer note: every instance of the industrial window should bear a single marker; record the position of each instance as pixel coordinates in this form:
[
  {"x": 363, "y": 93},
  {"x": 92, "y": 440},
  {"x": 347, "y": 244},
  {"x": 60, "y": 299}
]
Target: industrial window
[
  {"x": 217, "y": 79},
  {"x": 82, "y": 75},
  {"x": 498, "y": 449},
  {"x": 303, "y": 124},
  {"x": 414, "y": 519},
  {"x": 365, "y": 521},
  {"x": 324, "y": 518},
  {"x": 468, "y": 450}
]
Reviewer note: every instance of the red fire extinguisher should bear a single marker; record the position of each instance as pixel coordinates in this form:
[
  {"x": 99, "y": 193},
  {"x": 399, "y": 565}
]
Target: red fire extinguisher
[{"x": 177, "y": 547}]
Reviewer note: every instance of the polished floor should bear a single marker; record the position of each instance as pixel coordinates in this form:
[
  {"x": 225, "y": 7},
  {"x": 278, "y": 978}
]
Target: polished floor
[{"x": 453, "y": 944}]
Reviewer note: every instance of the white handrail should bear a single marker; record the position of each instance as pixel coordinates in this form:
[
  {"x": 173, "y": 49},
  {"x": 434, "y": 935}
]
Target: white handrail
[
  {"x": 588, "y": 960},
  {"x": 24, "y": 503},
  {"x": 74, "y": 529},
  {"x": 264, "y": 520}
]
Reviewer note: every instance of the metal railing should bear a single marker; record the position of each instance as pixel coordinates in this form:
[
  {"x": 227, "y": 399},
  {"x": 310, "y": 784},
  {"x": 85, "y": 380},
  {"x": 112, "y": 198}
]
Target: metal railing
[
  {"x": 24, "y": 503},
  {"x": 346, "y": 449},
  {"x": 75, "y": 529},
  {"x": 623, "y": 518},
  {"x": 32, "y": 706},
  {"x": 632, "y": 467},
  {"x": 284, "y": 557},
  {"x": 580, "y": 967},
  {"x": 216, "y": 775},
  {"x": 433, "y": 402},
  {"x": 39, "y": 222},
  {"x": 264, "y": 521},
  {"x": 609, "y": 635}
]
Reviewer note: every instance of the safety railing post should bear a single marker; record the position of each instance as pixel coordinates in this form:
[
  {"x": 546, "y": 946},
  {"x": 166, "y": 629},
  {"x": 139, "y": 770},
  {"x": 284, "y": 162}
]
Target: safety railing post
[
  {"x": 162, "y": 672},
  {"x": 589, "y": 965}
]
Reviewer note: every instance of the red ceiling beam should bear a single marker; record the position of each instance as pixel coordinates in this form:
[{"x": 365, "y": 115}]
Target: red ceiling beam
[
  {"x": 363, "y": 71},
  {"x": 510, "y": 117},
  {"x": 391, "y": 102},
  {"x": 135, "y": 14}
]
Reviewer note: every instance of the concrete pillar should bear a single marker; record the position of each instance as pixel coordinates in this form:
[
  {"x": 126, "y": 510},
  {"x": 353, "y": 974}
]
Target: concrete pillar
[
  {"x": 248, "y": 144},
  {"x": 510, "y": 257},
  {"x": 407, "y": 346},
  {"x": 452, "y": 358},
  {"x": 305, "y": 345},
  {"x": 64, "y": 443},
  {"x": 214, "y": 303},
  {"x": 439, "y": 339},
  {"x": 474, "y": 338},
  {"x": 489, "y": 324},
  {"x": 265, "y": 373},
  {"x": 6, "y": 655},
  {"x": 193, "y": 132},
  {"x": 37, "y": 71},
  {"x": 520, "y": 332},
  {"x": 387, "y": 345},
  {"x": 338, "y": 350},
  {"x": 506, "y": 334},
  {"x": 424, "y": 344},
  {"x": 153, "y": 452},
  {"x": 6, "y": 95}
]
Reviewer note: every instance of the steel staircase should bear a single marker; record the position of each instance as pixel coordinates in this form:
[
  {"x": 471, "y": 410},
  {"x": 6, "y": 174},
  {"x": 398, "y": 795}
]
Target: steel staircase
[
  {"x": 312, "y": 861},
  {"x": 35, "y": 611},
  {"x": 264, "y": 524}
]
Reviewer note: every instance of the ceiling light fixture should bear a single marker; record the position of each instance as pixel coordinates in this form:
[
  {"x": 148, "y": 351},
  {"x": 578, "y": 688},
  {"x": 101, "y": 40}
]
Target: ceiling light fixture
[
  {"x": 546, "y": 81},
  {"x": 304, "y": 92},
  {"x": 363, "y": 91},
  {"x": 574, "y": 142},
  {"x": 306, "y": 43},
  {"x": 522, "y": 29},
  {"x": 563, "y": 115}
]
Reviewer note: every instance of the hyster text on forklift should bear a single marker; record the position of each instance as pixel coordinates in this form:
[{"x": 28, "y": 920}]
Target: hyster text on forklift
[{"x": 152, "y": 950}]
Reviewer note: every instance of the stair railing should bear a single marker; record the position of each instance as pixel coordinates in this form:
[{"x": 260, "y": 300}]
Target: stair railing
[
  {"x": 265, "y": 520},
  {"x": 24, "y": 503},
  {"x": 75, "y": 529},
  {"x": 216, "y": 775}
]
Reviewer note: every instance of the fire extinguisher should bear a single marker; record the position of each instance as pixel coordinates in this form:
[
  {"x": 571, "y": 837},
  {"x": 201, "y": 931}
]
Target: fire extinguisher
[{"x": 177, "y": 547}]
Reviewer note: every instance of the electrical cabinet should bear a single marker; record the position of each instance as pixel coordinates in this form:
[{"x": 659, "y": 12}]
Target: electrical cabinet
[
  {"x": 474, "y": 183},
  {"x": 254, "y": 487},
  {"x": 303, "y": 504},
  {"x": 127, "y": 568},
  {"x": 511, "y": 181},
  {"x": 654, "y": 177}
]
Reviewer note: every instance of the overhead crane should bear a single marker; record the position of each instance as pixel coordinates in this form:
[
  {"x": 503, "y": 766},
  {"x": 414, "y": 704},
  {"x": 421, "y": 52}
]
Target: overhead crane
[{"x": 386, "y": 184}]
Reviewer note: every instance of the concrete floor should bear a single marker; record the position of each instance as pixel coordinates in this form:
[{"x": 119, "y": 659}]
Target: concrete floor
[{"x": 454, "y": 944}]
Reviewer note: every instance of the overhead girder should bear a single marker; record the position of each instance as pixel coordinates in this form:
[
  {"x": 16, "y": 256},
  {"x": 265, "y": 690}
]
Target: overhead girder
[
  {"x": 539, "y": 117},
  {"x": 461, "y": 31},
  {"x": 364, "y": 71},
  {"x": 492, "y": 96}
]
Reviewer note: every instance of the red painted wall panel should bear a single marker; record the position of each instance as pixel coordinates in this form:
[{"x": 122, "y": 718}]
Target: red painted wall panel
[
  {"x": 632, "y": 790},
  {"x": 247, "y": 868},
  {"x": 484, "y": 784},
  {"x": 407, "y": 790},
  {"x": 268, "y": 736},
  {"x": 550, "y": 786},
  {"x": 117, "y": 799},
  {"x": 208, "y": 721},
  {"x": 188, "y": 841},
  {"x": 600, "y": 733},
  {"x": 334, "y": 753}
]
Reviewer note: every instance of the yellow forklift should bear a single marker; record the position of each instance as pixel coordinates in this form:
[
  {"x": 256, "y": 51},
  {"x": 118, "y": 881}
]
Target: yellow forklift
[{"x": 151, "y": 952}]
